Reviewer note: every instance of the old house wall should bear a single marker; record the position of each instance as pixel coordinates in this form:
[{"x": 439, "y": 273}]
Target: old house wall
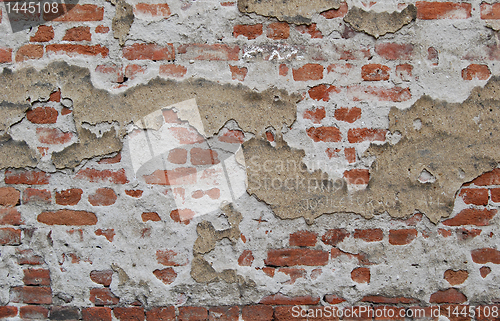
[{"x": 249, "y": 160}]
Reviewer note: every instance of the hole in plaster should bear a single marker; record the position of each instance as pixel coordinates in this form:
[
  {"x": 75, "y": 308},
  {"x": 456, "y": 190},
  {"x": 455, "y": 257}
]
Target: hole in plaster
[
  {"x": 461, "y": 173},
  {"x": 417, "y": 124},
  {"x": 394, "y": 138},
  {"x": 426, "y": 177}
]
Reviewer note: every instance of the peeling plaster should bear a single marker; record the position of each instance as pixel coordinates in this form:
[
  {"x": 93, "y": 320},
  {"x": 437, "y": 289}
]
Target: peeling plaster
[
  {"x": 122, "y": 21},
  {"x": 378, "y": 24}
]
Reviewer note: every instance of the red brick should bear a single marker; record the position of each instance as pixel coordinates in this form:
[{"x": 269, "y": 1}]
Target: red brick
[
  {"x": 249, "y": 31},
  {"x": 481, "y": 72},
  {"x": 97, "y": 176},
  {"x": 167, "y": 275},
  {"x": 31, "y": 294},
  {"x": 168, "y": 258},
  {"x": 43, "y": 34},
  {"x": 283, "y": 70},
  {"x": 69, "y": 196},
  {"x": 471, "y": 216},
  {"x": 238, "y": 73},
  {"x": 269, "y": 271},
  {"x": 86, "y": 12},
  {"x": 103, "y": 277},
  {"x": 232, "y": 136},
  {"x": 357, "y": 176},
  {"x": 53, "y": 136},
  {"x": 9, "y": 196},
  {"x": 134, "y": 193},
  {"x": 224, "y": 313},
  {"x": 187, "y": 135},
  {"x": 96, "y": 313},
  {"x": 375, "y": 72},
  {"x": 490, "y": 11},
  {"x": 5, "y": 55},
  {"x": 334, "y": 236},
  {"x": 350, "y": 154},
  {"x": 332, "y": 152},
  {"x": 246, "y": 258},
  {"x": 287, "y": 313},
  {"x": 257, "y": 313},
  {"x": 489, "y": 178},
  {"x": 433, "y": 56},
  {"x": 270, "y": 136},
  {"x": 378, "y": 299},
  {"x": 303, "y": 238},
  {"x": 361, "y": 275},
  {"x": 209, "y": 52},
  {"x": 333, "y": 299},
  {"x": 33, "y": 312},
  {"x": 78, "y": 34},
  {"x": 129, "y": 313},
  {"x": 278, "y": 30},
  {"x": 359, "y": 135},
  {"x": 394, "y": 51},
  {"x": 103, "y": 197},
  {"x": 55, "y": 96},
  {"x": 310, "y": 29},
  {"x": 101, "y": 29},
  {"x": 10, "y": 216},
  {"x": 404, "y": 72},
  {"x": 484, "y": 271},
  {"x": 109, "y": 234},
  {"x": 448, "y": 296},
  {"x": 336, "y": 13},
  {"x": 456, "y": 277},
  {"x": 36, "y": 277},
  {"x": 131, "y": 71},
  {"x": 10, "y": 236},
  {"x": 150, "y": 216},
  {"x": 178, "y": 176},
  {"x": 495, "y": 194},
  {"x": 293, "y": 273},
  {"x": 110, "y": 72},
  {"x": 67, "y": 217},
  {"x": 308, "y": 72},
  {"x": 28, "y": 257},
  {"x": 103, "y": 296},
  {"x": 349, "y": 115},
  {"x": 324, "y": 134},
  {"x": 369, "y": 235},
  {"x": 322, "y": 92},
  {"x": 395, "y": 94},
  {"x": 183, "y": 216},
  {"x": 161, "y": 314},
  {"x": 26, "y": 177},
  {"x": 171, "y": 70},
  {"x": 465, "y": 234},
  {"x": 192, "y": 314},
  {"x": 486, "y": 255},
  {"x": 443, "y": 10},
  {"x": 201, "y": 156},
  {"x": 29, "y": 51},
  {"x": 402, "y": 236},
  {"x": 315, "y": 115},
  {"x": 72, "y": 50},
  {"x": 7, "y": 312},
  {"x": 292, "y": 257},
  {"x": 280, "y": 299},
  {"x": 152, "y": 10},
  {"x": 111, "y": 160},
  {"x": 476, "y": 196},
  {"x": 42, "y": 115}
]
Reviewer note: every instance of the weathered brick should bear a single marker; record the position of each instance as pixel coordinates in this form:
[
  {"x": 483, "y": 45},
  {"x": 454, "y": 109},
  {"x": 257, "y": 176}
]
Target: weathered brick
[
  {"x": 103, "y": 277},
  {"x": 150, "y": 216},
  {"x": 10, "y": 236},
  {"x": 465, "y": 234},
  {"x": 43, "y": 34},
  {"x": 404, "y": 72},
  {"x": 26, "y": 177},
  {"x": 161, "y": 314},
  {"x": 9, "y": 196},
  {"x": 238, "y": 73},
  {"x": 53, "y": 136},
  {"x": 481, "y": 72},
  {"x": 433, "y": 56},
  {"x": 292, "y": 257},
  {"x": 103, "y": 197},
  {"x": 350, "y": 154},
  {"x": 456, "y": 277},
  {"x": 476, "y": 196},
  {"x": 322, "y": 92},
  {"x": 308, "y": 72},
  {"x": 129, "y": 313},
  {"x": 357, "y": 176},
  {"x": 178, "y": 176},
  {"x": 310, "y": 30},
  {"x": 187, "y": 136},
  {"x": 8, "y": 311},
  {"x": 161, "y": 10},
  {"x": 490, "y": 11},
  {"x": 111, "y": 160},
  {"x": 443, "y": 10},
  {"x": 101, "y": 29},
  {"x": 349, "y": 115},
  {"x": 5, "y": 55},
  {"x": 248, "y": 31},
  {"x": 232, "y": 136},
  {"x": 73, "y": 50},
  {"x": 201, "y": 156},
  {"x": 69, "y": 196},
  {"x": 64, "y": 313},
  {"x": 451, "y": 295},
  {"x": 359, "y": 135},
  {"x": 315, "y": 115},
  {"x": 28, "y": 257},
  {"x": 192, "y": 314},
  {"x": 36, "y": 277},
  {"x": 96, "y": 313},
  {"x": 42, "y": 115},
  {"x": 110, "y": 72},
  {"x": 484, "y": 271},
  {"x": 168, "y": 258},
  {"x": 167, "y": 275},
  {"x": 97, "y": 176},
  {"x": 29, "y": 51},
  {"x": 183, "y": 216},
  {"x": 78, "y": 34},
  {"x": 486, "y": 255},
  {"x": 10, "y": 216},
  {"x": 134, "y": 193},
  {"x": 489, "y": 178},
  {"x": 246, "y": 258},
  {"x": 31, "y": 294},
  {"x": 288, "y": 313},
  {"x": 363, "y": 93},
  {"x": 336, "y": 13},
  {"x": 85, "y": 12},
  {"x": 378, "y": 299},
  {"x": 375, "y": 72},
  {"x": 335, "y": 236},
  {"x": 280, "y": 299},
  {"x": 333, "y": 299},
  {"x": 402, "y": 236},
  {"x": 471, "y": 216},
  {"x": 257, "y": 313},
  {"x": 283, "y": 70},
  {"x": 324, "y": 134},
  {"x": 172, "y": 70},
  {"x": 67, "y": 217},
  {"x": 224, "y": 313},
  {"x": 34, "y": 312},
  {"x": 303, "y": 238},
  {"x": 394, "y": 51},
  {"x": 361, "y": 275},
  {"x": 369, "y": 235},
  {"x": 103, "y": 296},
  {"x": 278, "y": 30},
  {"x": 109, "y": 234},
  {"x": 209, "y": 52}
]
